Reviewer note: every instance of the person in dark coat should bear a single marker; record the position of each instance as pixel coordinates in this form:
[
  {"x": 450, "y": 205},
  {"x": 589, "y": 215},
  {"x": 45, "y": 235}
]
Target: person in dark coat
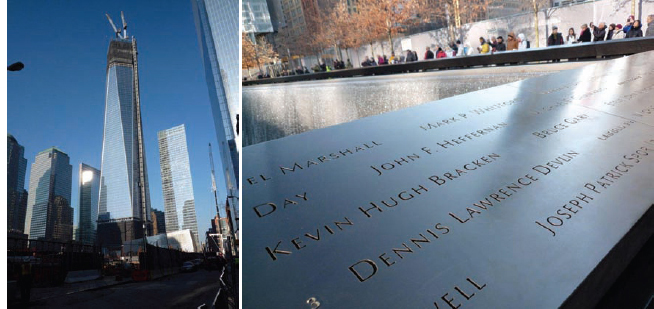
[
  {"x": 635, "y": 31},
  {"x": 585, "y": 34},
  {"x": 610, "y": 32},
  {"x": 555, "y": 38},
  {"x": 429, "y": 54},
  {"x": 366, "y": 62},
  {"x": 500, "y": 44},
  {"x": 493, "y": 44},
  {"x": 415, "y": 55},
  {"x": 599, "y": 32},
  {"x": 409, "y": 56}
]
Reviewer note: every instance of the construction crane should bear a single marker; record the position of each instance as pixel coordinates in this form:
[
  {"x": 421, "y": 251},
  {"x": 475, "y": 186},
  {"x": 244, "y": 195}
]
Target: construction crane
[
  {"x": 122, "y": 33},
  {"x": 213, "y": 184}
]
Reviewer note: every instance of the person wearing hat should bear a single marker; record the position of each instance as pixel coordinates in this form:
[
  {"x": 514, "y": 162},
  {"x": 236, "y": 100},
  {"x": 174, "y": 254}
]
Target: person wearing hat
[
  {"x": 629, "y": 24},
  {"x": 618, "y": 33},
  {"x": 512, "y": 42},
  {"x": 555, "y": 38}
]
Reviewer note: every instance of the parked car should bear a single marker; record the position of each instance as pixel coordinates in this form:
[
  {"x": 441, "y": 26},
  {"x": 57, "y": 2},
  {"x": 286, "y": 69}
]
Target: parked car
[{"x": 189, "y": 266}]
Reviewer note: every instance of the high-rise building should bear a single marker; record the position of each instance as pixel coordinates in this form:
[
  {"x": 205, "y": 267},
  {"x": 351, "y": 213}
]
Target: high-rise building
[
  {"x": 124, "y": 205},
  {"x": 219, "y": 226},
  {"x": 300, "y": 15},
  {"x": 276, "y": 14},
  {"x": 89, "y": 190},
  {"x": 158, "y": 221},
  {"x": 16, "y": 193},
  {"x": 49, "y": 214},
  {"x": 217, "y": 25},
  {"x": 256, "y": 17},
  {"x": 176, "y": 182}
]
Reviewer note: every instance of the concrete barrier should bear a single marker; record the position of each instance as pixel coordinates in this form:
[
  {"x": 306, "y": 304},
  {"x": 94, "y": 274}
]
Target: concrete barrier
[
  {"x": 158, "y": 273},
  {"x": 82, "y": 275},
  {"x": 606, "y": 49}
]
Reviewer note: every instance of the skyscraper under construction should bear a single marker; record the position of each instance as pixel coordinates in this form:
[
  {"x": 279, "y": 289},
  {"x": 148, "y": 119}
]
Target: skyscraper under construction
[{"x": 124, "y": 205}]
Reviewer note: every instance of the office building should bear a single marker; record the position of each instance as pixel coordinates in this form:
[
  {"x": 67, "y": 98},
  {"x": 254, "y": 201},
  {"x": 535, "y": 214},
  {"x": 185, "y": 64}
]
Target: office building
[
  {"x": 89, "y": 190},
  {"x": 217, "y": 25},
  {"x": 220, "y": 226},
  {"x": 49, "y": 214},
  {"x": 176, "y": 182},
  {"x": 16, "y": 193},
  {"x": 158, "y": 221},
  {"x": 256, "y": 17}
]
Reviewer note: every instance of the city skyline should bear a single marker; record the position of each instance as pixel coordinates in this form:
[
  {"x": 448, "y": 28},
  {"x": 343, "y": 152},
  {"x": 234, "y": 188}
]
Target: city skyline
[{"x": 163, "y": 104}]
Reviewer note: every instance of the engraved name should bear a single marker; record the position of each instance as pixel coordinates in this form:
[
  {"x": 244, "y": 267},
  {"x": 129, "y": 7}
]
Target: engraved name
[
  {"x": 504, "y": 193},
  {"x": 561, "y": 126},
  {"x": 616, "y": 130},
  {"x": 304, "y": 165},
  {"x": 470, "y": 286},
  {"x": 366, "y": 268},
  {"x": 571, "y": 209}
]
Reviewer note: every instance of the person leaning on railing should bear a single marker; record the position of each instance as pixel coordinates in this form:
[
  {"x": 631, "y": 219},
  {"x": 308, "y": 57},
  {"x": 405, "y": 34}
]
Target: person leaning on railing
[
  {"x": 585, "y": 34},
  {"x": 523, "y": 43},
  {"x": 618, "y": 33},
  {"x": 635, "y": 31},
  {"x": 555, "y": 38},
  {"x": 512, "y": 42},
  {"x": 485, "y": 47},
  {"x": 500, "y": 44},
  {"x": 571, "y": 38},
  {"x": 611, "y": 32},
  {"x": 599, "y": 32}
]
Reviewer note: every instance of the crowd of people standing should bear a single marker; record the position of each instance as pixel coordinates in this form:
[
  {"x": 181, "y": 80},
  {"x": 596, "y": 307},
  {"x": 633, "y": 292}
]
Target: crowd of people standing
[
  {"x": 587, "y": 33},
  {"x": 591, "y": 33}
]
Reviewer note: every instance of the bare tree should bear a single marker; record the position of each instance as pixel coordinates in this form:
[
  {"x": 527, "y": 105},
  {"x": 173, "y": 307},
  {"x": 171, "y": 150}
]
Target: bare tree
[
  {"x": 391, "y": 17},
  {"x": 457, "y": 13}
]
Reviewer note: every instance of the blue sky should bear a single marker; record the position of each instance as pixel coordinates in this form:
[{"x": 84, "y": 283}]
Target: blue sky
[{"x": 58, "y": 99}]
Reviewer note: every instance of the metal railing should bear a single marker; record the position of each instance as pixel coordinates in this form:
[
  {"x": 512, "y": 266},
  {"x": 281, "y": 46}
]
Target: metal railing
[
  {"x": 220, "y": 300},
  {"x": 606, "y": 49}
]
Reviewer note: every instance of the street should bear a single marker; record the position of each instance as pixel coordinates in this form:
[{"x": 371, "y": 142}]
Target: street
[{"x": 183, "y": 290}]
